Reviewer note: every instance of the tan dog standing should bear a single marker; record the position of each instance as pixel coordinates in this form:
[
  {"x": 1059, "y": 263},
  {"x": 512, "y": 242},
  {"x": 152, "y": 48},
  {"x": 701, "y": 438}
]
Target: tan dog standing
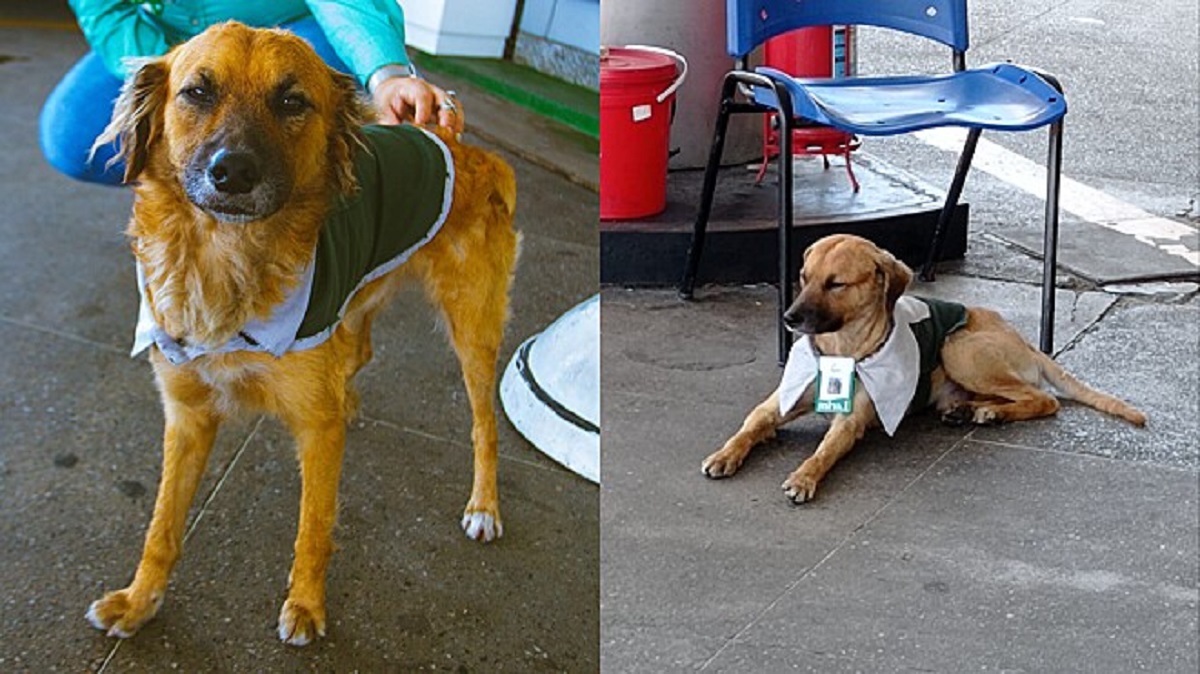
[
  {"x": 241, "y": 143},
  {"x": 987, "y": 374}
]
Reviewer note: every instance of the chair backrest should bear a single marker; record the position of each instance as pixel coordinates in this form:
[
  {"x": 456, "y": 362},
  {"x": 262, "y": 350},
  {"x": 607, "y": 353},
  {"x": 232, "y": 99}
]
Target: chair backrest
[{"x": 752, "y": 22}]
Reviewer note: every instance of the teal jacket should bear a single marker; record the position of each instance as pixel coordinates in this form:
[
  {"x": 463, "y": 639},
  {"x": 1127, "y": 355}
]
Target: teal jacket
[{"x": 366, "y": 34}]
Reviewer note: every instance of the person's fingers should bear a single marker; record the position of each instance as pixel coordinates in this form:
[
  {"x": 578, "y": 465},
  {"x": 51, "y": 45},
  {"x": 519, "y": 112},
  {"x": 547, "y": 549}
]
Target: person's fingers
[
  {"x": 389, "y": 116},
  {"x": 390, "y": 105},
  {"x": 423, "y": 106},
  {"x": 420, "y": 102},
  {"x": 450, "y": 113},
  {"x": 452, "y": 117}
]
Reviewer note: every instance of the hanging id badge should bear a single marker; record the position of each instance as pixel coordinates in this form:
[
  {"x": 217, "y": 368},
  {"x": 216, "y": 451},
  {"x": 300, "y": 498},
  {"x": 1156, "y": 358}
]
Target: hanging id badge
[{"x": 835, "y": 385}]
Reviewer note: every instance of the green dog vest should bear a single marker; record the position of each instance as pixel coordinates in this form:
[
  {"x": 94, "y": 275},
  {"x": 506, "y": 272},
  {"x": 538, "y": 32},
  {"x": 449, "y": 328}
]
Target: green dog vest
[
  {"x": 944, "y": 318},
  {"x": 406, "y": 185}
]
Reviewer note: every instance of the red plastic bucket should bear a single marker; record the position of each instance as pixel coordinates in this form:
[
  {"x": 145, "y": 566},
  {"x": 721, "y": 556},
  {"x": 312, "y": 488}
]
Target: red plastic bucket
[{"x": 637, "y": 87}]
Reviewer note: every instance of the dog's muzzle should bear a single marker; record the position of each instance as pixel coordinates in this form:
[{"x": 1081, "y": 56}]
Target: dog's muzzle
[
  {"x": 233, "y": 172},
  {"x": 235, "y": 184},
  {"x": 804, "y": 319}
]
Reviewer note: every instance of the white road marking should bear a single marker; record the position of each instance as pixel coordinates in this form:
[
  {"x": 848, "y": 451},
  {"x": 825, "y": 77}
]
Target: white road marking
[{"x": 1087, "y": 203}]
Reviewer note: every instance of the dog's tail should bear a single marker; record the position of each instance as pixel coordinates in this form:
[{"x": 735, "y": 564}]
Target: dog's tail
[{"x": 1072, "y": 388}]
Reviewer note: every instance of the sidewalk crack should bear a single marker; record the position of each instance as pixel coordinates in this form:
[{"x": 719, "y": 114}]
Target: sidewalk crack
[
  {"x": 225, "y": 473},
  {"x": 61, "y": 334},
  {"x": 212, "y": 494}
]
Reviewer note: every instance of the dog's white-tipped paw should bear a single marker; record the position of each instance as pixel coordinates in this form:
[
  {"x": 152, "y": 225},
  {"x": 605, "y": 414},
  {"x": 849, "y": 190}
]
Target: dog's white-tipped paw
[
  {"x": 121, "y": 613},
  {"x": 93, "y": 617},
  {"x": 482, "y": 527},
  {"x": 299, "y": 625},
  {"x": 720, "y": 464},
  {"x": 799, "y": 489},
  {"x": 292, "y": 638}
]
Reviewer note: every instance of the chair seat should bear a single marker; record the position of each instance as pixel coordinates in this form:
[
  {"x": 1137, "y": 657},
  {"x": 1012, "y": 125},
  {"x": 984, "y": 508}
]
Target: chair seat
[{"x": 1002, "y": 96}]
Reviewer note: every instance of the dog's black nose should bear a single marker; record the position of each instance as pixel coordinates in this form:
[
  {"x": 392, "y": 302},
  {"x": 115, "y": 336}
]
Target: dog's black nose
[
  {"x": 234, "y": 172},
  {"x": 793, "y": 317}
]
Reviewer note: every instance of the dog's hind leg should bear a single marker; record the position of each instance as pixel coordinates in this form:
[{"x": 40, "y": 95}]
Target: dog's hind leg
[
  {"x": 475, "y": 313},
  {"x": 191, "y": 425},
  {"x": 1011, "y": 401},
  {"x": 467, "y": 272},
  {"x": 997, "y": 395},
  {"x": 999, "y": 370}
]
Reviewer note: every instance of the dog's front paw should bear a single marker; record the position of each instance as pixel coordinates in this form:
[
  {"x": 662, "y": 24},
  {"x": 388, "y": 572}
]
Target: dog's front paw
[
  {"x": 300, "y": 623},
  {"x": 722, "y": 463},
  {"x": 482, "y": 524},
  {"x": 121, "y": 613},
  {"x": 799, "y": 487}
]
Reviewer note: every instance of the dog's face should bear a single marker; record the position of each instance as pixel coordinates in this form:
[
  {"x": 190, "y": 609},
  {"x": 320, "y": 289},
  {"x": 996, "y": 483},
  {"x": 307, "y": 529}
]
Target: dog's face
[
  {"x": 845, "y": 279},
  {"x": 242, "y": 120}
]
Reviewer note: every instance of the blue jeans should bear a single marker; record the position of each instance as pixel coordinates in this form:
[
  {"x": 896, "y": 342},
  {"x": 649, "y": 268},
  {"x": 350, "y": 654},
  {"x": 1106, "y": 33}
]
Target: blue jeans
[{"x": 79, "y": 108}]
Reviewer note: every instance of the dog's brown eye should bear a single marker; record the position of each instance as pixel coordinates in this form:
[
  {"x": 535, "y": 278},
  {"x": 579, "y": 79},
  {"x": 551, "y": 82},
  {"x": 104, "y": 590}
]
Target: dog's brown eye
[
  {"x": 292, "y": 104},
  {"x": 834, "y": 285},
  {"x": 199, "y": 94}
]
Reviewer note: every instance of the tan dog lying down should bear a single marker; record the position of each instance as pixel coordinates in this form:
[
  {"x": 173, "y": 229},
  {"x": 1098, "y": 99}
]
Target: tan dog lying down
[
  {"x": 256, "y": 186},
  {"x": 851, "y": 296}
]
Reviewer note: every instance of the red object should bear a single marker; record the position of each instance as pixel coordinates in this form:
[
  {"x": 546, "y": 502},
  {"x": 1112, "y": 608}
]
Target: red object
[
  {"x": 822, "y": 51},
  {"x": 635, "y": 132}
]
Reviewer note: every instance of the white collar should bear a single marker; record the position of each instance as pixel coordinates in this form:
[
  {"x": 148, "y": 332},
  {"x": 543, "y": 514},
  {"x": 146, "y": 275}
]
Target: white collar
[
  {"x": 275, "y": 335},
  {"x": 889, "y": 375}
]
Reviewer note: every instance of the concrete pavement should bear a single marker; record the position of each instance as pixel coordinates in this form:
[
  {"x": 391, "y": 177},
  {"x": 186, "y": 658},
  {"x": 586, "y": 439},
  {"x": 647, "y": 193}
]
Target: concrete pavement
[
  {"x": 1066, "y": 544},
  {"x": 79, "y": 455}
]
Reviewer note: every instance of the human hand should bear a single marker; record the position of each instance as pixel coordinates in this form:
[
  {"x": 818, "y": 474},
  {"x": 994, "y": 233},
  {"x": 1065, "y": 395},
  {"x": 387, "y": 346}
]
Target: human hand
[{"x": 404, "y": 99}]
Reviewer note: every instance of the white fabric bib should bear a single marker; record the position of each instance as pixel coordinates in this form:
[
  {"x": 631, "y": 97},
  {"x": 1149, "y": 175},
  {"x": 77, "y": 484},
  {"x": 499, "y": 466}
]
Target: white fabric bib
[{"x": 889, "y": 375}]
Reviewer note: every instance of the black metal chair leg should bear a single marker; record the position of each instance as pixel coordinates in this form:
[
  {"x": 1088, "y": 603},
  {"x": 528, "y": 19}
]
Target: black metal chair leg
[
  {"x": 952, "y": 195},
  {"x": 786, "y": 190},
  {"x": 1050, "y": 244},
  {"x": 688, "y": 284}
]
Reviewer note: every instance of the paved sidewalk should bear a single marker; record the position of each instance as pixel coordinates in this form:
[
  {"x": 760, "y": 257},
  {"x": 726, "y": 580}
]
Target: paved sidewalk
[
  {"x": 79, "y": 457},
  {"x": 1059, "y": 545}
]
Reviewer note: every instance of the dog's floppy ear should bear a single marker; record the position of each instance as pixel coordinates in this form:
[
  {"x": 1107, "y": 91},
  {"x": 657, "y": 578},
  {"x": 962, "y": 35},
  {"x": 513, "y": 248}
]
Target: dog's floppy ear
[
  {"x": 137, "y": 116},
  {"x": 351, "y": 112},
  {"x": 896, "y": 277}
]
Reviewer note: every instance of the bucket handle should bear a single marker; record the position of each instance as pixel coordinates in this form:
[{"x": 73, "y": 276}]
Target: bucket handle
[{"x": 675, "y": 55}]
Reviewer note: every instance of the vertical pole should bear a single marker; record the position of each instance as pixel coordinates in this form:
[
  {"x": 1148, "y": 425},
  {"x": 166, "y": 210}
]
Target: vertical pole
[
  {"x": 1050, "y": 244},
  {"x": 785, "y": 217},
  {"x": 700, "y": 226},
  {"x": 952, "y": 195}
]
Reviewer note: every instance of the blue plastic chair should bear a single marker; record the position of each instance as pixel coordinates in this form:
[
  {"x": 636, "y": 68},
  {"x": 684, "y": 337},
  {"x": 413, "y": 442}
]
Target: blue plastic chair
[{"x": 1001, "y": 97}]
